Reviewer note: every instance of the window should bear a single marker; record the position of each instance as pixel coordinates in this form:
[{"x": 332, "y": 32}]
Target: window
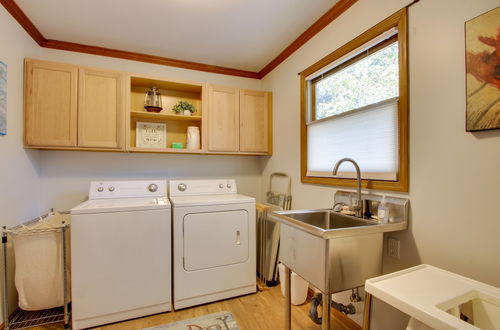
[{"x": 355, "y": 104}]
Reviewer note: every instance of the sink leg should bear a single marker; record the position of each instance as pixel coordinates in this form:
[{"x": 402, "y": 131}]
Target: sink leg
[
  {"x": 326, "y": 315},
  {"x": 288, "y": 298},
  {"x": 367, "y": 313}
]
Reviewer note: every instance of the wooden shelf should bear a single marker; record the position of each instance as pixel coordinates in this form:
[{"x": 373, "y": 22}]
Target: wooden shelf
[
  {"x": 166, "y": 150},
  {"x": 147, "y": 82},
  {"x": 162, "y": 116}
]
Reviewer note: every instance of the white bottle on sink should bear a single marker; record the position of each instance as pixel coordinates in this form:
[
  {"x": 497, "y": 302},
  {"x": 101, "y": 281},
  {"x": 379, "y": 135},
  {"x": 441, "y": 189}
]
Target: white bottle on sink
[{"x": 383, "y": 211}]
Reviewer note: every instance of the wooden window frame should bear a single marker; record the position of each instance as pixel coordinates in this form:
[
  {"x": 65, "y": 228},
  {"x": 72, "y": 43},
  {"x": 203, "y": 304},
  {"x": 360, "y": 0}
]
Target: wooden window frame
[{"x": 400, "y": 21}]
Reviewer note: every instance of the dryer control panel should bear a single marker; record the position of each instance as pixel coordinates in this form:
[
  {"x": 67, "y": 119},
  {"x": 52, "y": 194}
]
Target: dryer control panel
[{"x": 202, "y": 187}]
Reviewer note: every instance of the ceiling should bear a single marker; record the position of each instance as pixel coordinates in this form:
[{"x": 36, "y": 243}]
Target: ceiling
[{"x": 241, "y": 34}]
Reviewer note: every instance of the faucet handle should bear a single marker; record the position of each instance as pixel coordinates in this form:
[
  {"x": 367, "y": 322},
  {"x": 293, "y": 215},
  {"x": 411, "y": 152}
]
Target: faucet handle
[{"x": 337, "y": 207}]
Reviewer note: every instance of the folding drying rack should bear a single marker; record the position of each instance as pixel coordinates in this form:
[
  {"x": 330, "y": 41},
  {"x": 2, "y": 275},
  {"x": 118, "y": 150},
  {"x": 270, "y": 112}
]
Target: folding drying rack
[{"x": 268, "y": 231}]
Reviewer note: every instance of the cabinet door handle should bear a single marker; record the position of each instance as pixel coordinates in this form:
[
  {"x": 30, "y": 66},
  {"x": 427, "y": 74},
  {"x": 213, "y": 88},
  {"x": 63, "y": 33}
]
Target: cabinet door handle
[{"x": 238, "y": 241}]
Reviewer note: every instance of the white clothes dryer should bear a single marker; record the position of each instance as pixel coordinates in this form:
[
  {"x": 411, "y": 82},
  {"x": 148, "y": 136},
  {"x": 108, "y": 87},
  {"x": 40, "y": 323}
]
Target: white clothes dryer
[
  {"x": 121, "y": 253},
  {"x": 214, "y": 241}
]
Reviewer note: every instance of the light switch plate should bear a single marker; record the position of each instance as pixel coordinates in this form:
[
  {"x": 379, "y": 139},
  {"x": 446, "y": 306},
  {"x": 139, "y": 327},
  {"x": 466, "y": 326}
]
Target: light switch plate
[{"x": 393, "y": 248}]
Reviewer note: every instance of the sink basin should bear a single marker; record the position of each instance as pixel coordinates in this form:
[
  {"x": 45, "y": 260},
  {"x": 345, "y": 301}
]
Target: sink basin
[
  {"x": 332, "y": 251},
  {"x": 327, "y": 219},
  {"x": 438, "y": 299},
  {"x": 476, "y": 308},
  {"x": 328, "y": 224}
]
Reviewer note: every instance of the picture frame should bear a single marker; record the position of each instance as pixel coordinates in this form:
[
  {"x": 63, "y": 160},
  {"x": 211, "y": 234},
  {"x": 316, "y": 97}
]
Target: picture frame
[
  {"x": 151, "y": 135},
  {"x": 482, "y": 37}
]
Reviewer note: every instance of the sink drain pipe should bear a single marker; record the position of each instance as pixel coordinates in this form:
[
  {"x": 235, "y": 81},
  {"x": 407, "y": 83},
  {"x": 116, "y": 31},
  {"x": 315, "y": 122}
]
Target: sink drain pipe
[{"x": 317, "y": 300}]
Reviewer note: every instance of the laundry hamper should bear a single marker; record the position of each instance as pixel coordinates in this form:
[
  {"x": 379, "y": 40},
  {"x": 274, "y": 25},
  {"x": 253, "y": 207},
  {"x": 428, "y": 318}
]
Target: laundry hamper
[{"x": 41, "y": 258}]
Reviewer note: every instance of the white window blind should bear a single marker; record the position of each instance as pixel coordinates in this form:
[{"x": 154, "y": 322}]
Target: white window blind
[{"x": 368, "y": 135}]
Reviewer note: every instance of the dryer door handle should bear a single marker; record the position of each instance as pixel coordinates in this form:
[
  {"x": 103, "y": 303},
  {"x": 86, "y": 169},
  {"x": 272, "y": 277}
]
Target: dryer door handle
[{"x": 238, "y": 234}]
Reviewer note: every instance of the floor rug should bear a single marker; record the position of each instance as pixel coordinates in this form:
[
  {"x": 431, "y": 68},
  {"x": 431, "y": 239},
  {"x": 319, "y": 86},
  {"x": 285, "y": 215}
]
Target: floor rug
[{"x": 217, "y": 321}]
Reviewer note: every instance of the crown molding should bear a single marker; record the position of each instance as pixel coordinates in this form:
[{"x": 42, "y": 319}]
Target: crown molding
[
  {"x": 94, "y": 50},
  {"x": 340, "y": 7},
  {"x": 23, "y": 20}
]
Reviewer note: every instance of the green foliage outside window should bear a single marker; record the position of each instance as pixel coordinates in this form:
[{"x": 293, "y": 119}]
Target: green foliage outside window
[{"x": 372, "y": 79}]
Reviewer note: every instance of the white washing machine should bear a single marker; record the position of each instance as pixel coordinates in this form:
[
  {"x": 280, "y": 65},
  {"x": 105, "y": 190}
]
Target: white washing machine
[
  {"x": 214, "y": 241},
  {"x": 121, "y": 252}
]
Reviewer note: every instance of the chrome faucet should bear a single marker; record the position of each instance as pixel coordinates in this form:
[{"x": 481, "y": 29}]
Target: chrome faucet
[{"x": 358, "y": 208}]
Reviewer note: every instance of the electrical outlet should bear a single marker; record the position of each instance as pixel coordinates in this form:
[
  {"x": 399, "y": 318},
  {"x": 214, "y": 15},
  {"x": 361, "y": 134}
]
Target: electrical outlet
[{"x": 393, "y": 248}]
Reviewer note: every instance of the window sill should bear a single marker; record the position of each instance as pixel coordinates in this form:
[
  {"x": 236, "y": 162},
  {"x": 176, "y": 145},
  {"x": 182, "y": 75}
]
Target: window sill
[{"x": 401, "y": 185}]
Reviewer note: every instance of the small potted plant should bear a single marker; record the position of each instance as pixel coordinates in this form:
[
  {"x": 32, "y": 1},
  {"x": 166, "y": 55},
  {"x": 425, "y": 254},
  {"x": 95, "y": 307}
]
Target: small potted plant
[{"x": 184, "y": 108}]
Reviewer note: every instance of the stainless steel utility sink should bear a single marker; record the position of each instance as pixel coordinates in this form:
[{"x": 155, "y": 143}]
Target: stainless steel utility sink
[
  {"x": 325, "y": 220},
  {"x": 333, "y": 251}
]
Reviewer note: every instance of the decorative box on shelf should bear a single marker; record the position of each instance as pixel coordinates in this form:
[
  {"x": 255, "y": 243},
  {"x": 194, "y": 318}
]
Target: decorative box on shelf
[{"x": 151, "y": 135}]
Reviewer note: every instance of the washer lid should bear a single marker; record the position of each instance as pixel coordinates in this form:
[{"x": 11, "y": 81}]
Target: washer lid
[
  {"x": 203, "y": 200},
  {"x": 121, "y": 205}
]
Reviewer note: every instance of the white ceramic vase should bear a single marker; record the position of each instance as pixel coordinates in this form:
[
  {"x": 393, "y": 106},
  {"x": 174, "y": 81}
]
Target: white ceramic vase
[{"x": 193, "y": 137}]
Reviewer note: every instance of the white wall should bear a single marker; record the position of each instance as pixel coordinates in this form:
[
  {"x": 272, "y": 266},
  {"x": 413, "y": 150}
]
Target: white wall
[
  {"x": 65, "y": 175},
  {"x": 19, "y": 168},
  {"x": 454, "y": 176}
]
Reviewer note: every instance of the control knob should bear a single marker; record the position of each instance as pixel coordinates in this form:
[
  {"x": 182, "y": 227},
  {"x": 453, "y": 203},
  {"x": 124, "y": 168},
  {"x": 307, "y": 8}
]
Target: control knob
[{"x": 152, "y": 187}]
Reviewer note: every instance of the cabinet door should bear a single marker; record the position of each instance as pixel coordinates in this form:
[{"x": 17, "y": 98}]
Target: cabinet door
[
  {"x": 223, "y": 119},
  {"x": 254, "y": 121},
  {"x": 101, "y": 109},
  {"x": 50, "y": 104}
]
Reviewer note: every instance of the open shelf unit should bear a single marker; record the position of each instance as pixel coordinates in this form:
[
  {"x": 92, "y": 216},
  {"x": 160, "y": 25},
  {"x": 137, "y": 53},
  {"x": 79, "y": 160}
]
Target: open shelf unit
[
  {"x": 177, "y": 125},
  {"x": 162, "y": 116}
]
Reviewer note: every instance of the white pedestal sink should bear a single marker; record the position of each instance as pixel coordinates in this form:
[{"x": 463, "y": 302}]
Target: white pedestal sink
[{"x": 439, "y": 299}]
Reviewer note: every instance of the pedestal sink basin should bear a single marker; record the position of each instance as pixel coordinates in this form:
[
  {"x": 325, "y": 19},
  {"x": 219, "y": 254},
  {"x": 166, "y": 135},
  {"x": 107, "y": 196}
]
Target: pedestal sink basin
[
  {"x": 438, "y": 299},
  {"x": 475, "y": 308}
]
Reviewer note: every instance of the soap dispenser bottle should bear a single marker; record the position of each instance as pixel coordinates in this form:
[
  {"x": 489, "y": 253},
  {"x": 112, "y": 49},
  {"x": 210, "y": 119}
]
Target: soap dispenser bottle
[{"x": 383, "y": 211}]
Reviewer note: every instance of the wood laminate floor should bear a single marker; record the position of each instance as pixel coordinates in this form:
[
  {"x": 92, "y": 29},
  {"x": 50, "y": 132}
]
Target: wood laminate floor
[{"x": 261, "y": 311}]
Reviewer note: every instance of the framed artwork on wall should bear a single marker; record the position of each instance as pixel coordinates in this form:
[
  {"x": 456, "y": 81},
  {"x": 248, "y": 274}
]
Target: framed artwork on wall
[
  {"x": 3, "y": 98},
  {"x": 482, "y": 44}
]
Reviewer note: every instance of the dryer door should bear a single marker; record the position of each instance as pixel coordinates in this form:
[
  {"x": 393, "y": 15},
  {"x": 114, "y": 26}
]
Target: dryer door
[{"x": 215, "y": 239}]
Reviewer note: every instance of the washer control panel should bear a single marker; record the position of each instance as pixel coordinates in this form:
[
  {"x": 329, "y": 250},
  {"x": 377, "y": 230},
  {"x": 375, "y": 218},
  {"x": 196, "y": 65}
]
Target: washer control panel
[
  {"x": 202, "y": 187},
  {"x": 127, "y": 189}
]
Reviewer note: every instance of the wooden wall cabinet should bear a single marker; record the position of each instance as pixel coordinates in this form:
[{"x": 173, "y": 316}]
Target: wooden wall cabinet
[
  {"x": 223, "y": 119},
  {"x": 100, "y": 108},
  {"x": 239, "y": 120},
  {"x": 254, "y": 121},
  {"x": 50, "y": 104},
  {"x": 71, "y": 107}
]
